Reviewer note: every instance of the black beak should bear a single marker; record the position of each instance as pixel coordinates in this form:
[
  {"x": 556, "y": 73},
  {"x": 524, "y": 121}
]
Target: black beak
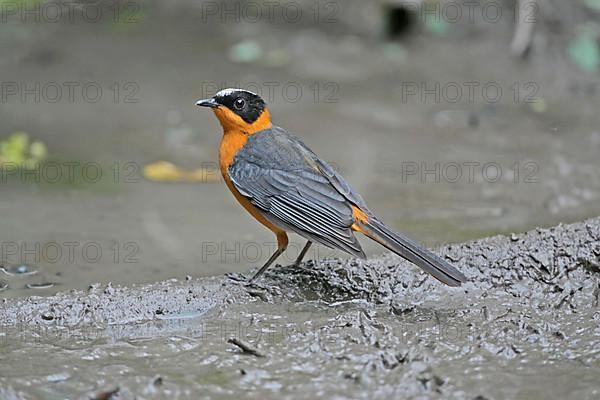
[{"x": 207, "y": 103}]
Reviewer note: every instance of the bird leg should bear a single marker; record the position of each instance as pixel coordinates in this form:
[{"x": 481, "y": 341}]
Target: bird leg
[
  {"x": 282, "y": 242},
  {"x": 302, "y": 253}
]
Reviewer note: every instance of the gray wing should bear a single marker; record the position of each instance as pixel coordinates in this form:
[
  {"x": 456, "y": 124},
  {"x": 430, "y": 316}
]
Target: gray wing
[{"x": 296, "y": 190}]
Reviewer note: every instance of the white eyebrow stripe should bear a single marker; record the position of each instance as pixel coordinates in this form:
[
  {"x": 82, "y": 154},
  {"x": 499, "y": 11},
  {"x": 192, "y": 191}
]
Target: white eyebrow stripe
[{"x": 227, "y": 92}]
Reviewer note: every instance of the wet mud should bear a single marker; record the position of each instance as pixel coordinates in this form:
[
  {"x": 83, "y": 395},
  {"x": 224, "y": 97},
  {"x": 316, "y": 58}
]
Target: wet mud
[{"x": 525, "y": 326}]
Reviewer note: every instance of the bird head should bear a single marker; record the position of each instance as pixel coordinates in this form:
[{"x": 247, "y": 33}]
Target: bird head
[{"x": 239, "y": 110}]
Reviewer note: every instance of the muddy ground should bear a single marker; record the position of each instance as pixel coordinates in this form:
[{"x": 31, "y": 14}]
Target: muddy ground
[{"x": 525, "y": 326}]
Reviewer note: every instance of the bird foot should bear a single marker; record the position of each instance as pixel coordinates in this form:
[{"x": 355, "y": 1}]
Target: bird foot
[{"x": 236, "y": 276}]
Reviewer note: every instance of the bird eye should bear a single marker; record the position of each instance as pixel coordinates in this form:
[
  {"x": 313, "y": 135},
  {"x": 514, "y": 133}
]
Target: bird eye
[{"x": 238, "y": 104}]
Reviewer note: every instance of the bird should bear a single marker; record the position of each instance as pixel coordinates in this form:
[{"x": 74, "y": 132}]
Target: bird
[{"x": 289, "y": 189}]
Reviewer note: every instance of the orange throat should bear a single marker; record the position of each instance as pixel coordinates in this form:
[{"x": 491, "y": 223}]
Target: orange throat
[{"x": 235, "y": 134}]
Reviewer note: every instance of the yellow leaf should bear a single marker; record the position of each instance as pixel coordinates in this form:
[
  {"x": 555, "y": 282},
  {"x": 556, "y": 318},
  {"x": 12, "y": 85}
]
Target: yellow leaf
[{"x": 164, "y": 171}]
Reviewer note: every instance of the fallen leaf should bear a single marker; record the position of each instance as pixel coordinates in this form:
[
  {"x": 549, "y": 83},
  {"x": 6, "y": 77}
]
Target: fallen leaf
[{"x": 164, "y": 171}]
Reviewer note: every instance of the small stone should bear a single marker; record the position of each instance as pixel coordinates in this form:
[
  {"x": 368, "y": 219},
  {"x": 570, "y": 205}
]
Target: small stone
[
  {"x": 21, "y": 269},
  {"x": 54, "y": 378},
  {"x": 47, "y": 317}
]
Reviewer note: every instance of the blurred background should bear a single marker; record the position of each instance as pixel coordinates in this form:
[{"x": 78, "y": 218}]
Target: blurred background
[{"x": 455, "y": 120}]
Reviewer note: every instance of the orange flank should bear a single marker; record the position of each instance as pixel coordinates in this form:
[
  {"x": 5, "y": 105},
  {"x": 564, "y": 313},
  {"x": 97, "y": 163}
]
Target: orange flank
[
  {"x": 359, "y": 216},
  {"x": 281, "y": 235}
]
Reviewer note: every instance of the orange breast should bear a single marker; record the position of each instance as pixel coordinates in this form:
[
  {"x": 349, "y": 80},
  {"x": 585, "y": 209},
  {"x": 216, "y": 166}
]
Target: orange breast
[{"x": 232, "y": 142}]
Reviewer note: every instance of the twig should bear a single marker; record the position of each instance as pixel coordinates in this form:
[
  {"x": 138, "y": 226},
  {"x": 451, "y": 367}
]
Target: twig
[
  {"x": 245, "y": 349},
  {"x": 109, "y": 395}
]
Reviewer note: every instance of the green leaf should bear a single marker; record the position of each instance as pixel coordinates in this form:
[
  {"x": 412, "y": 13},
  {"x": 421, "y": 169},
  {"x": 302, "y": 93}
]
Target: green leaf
[{"x": 584, "y": 52}]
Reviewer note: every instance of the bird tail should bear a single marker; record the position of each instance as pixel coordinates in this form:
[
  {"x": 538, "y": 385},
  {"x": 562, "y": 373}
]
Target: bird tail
[{"x": 410, "y": 250}]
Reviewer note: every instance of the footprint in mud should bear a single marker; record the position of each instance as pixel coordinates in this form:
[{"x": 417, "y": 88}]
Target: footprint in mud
[
  {"x": 31, "y": 273},
  {"x": 19, "y": 270},
  {"x": 40, "y": 285}
]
